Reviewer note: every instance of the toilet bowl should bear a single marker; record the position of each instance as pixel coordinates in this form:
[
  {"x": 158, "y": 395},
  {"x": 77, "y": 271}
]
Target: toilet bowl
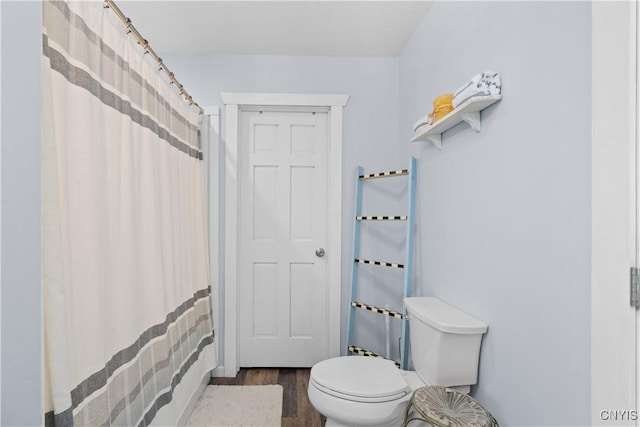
[
  {"x": 367, "y": 391},
  {"x": 361, "y": 391}
]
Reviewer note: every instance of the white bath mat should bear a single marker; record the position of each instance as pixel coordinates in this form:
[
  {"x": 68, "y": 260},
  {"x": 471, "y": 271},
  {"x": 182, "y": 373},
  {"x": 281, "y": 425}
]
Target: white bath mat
[{"x": 248, "y": 405}]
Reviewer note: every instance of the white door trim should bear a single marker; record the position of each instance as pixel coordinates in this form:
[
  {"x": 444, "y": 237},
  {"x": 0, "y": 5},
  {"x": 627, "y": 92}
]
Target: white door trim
[
  {"x": 233, "y": 102},
  {"x": 212, "y": 164},
  {"x": 613, "y": 336}
]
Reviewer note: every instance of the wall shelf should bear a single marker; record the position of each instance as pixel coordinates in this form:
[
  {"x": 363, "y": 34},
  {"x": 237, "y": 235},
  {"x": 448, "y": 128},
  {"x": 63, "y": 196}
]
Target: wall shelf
[{"x": 468, "y": 111}]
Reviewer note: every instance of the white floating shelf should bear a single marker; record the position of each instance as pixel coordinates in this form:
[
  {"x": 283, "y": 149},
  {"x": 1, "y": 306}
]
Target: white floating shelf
[{"x": 468, "y": 111}]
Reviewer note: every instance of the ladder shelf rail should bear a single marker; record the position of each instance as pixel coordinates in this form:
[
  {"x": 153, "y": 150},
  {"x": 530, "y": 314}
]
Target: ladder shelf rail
[{"x": 407, "y": 266}]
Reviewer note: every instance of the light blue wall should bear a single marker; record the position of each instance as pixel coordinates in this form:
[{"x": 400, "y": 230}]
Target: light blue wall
[
  {"x": 21, "y": 348},
  {"x": 370, "y": 124},
  {"x": 504, "y": 215}
]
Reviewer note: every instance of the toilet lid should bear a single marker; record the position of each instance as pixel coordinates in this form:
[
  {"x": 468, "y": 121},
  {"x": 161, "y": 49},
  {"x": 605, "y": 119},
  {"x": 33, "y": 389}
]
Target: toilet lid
[{"x": 360, "y": 377}]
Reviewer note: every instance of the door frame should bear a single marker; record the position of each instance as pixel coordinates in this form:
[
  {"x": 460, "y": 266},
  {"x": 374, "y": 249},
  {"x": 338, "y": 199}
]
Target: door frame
[
  {"x": 211, "y": 151},
  {"x": 613, "y": 215},
  {"x": 234, "y": 102}
]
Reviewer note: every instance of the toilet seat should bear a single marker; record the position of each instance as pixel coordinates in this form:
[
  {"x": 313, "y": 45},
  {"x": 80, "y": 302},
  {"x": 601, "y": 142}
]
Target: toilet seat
[{"x": 360, "y": 379}]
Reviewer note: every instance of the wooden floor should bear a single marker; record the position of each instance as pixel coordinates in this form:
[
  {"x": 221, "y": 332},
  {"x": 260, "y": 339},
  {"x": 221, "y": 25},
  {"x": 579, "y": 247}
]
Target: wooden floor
[{"x": 297, "y": 411}]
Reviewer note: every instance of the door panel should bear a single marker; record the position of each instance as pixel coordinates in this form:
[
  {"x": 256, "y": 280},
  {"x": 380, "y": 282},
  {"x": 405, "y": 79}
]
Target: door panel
[
  {"x": 283, "y": 220},
  {"x": 265, "y": 303},
  {"x": 301, "y": 202},
  {"x": 265, "y": 221}
]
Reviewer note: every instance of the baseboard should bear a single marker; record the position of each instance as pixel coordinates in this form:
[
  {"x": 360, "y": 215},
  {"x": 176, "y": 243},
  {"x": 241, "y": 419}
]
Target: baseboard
[
  {"x": 193, "y": 400},
  {"x": 218, "y": 372}
]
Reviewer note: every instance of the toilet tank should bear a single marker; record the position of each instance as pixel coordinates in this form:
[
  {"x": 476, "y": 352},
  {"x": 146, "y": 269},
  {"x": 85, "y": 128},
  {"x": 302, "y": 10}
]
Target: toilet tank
[{"x": 445, "y": 342}]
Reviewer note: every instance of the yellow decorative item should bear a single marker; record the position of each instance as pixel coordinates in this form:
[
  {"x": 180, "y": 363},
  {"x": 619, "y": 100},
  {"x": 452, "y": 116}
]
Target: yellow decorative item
[{"x": 442, "y": 106}]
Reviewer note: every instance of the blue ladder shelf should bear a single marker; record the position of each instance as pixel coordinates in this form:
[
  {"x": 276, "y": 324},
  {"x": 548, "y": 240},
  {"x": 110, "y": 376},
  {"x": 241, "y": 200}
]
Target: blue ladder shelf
[{"x": 407, "y": 266}]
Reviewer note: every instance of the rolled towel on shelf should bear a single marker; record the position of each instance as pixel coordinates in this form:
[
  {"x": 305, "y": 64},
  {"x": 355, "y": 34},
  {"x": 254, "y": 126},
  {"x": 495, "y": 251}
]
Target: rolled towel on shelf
[
  {"x": 469, "y": 87},
  {"x": 487, "y": 83},
  {"x": 423, "y": 121},
  {"x": 492, "y": 82}
]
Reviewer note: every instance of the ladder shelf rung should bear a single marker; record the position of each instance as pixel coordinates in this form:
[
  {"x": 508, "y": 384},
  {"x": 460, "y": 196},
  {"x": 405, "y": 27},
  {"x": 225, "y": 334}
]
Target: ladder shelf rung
[
  {"x": 379, "y": 310},
  {"x": 382, "y": 263},
  {"x": 382, "y": 218},
  {"x": 385, "y": 174},
  {"x": 363, "y": 352}
]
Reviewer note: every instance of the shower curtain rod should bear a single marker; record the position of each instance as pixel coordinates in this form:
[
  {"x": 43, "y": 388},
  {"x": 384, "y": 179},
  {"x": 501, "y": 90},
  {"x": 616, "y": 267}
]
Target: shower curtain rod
[{"x": 109, "y": 4}]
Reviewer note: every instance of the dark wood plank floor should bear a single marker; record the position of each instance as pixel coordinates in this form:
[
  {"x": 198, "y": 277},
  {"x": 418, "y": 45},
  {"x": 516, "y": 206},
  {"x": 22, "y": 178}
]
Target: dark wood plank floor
[{"x": 297, "y": 411}]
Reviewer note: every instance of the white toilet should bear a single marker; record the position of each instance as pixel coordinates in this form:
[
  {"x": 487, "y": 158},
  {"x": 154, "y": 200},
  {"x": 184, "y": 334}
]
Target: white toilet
[{"x": 366, "y": 391}]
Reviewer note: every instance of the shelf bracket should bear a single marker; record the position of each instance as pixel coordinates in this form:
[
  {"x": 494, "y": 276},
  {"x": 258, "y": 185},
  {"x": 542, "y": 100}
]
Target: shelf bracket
[
  {"x": 436, "y": 140},
  {"x": 473, "y": 119}
]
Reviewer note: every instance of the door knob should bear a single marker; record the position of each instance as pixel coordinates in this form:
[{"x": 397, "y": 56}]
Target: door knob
[{"x": 320, "y": 252}]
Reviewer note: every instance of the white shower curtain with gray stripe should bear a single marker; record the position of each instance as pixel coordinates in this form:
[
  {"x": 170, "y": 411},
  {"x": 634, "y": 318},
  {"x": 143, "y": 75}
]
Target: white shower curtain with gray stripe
[{"x": 128, "y": 328}]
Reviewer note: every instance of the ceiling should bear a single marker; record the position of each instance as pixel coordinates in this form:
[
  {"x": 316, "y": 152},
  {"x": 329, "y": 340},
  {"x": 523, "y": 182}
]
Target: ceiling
[{"x": 310, "y": 28}]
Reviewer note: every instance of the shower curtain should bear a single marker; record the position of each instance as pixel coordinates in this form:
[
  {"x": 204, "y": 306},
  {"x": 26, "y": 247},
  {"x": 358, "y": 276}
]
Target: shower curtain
[{"x": 128, "y": 327}]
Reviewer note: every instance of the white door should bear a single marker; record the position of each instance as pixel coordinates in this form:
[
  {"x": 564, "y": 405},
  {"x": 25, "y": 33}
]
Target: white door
[{"x": 283, "y": 232}]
